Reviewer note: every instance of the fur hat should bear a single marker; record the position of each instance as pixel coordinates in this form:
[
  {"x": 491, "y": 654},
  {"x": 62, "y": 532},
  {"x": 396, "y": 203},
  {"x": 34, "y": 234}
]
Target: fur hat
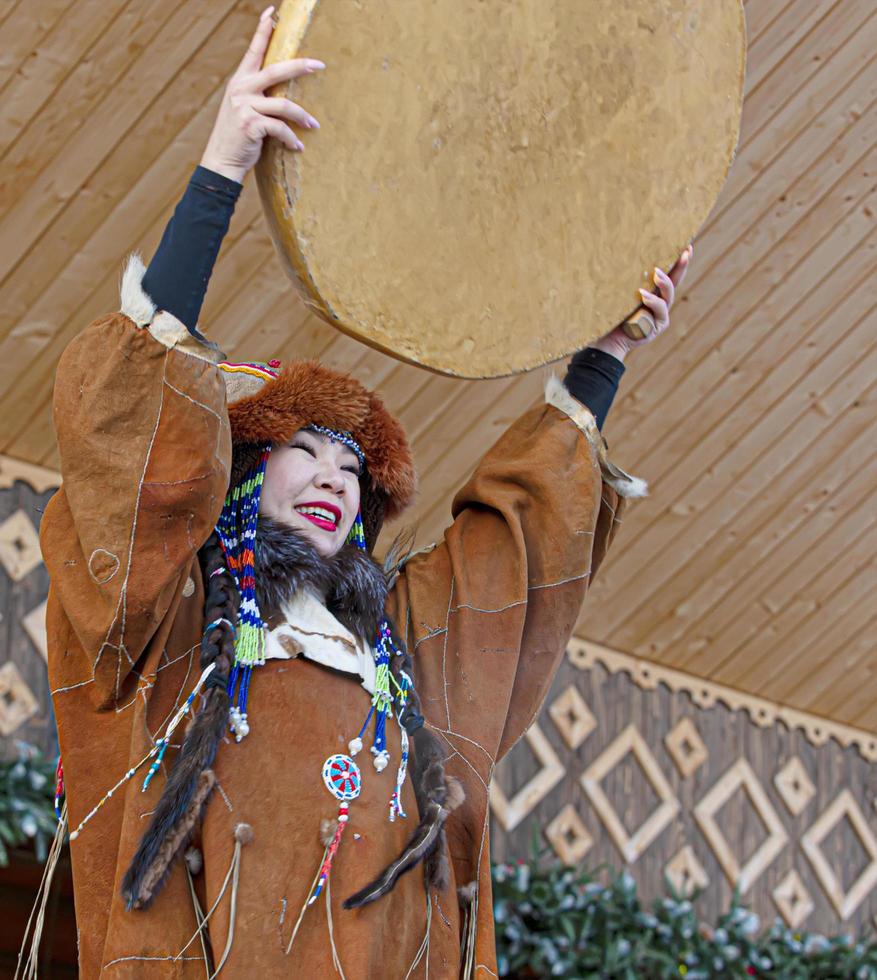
[{"x": 268, "y": 403}]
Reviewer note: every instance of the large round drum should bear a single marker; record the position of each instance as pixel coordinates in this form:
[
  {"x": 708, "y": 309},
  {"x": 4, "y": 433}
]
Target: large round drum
[{"x": 494, "y": 179}]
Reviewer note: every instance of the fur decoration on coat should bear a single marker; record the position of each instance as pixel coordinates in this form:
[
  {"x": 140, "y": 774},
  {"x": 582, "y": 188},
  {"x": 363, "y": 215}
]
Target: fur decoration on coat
[
  {"x": 352, "y": 582},
  {"x": 355, "y": 589}
]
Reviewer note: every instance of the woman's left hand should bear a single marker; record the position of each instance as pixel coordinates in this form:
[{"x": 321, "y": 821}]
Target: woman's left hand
[{"x": 616, "y": 342}]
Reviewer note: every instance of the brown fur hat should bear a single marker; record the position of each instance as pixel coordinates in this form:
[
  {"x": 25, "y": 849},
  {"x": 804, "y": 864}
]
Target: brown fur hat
[{"x": 267, "y": 403}]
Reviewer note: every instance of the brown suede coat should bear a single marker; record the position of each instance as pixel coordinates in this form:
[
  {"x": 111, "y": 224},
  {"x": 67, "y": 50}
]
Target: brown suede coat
[{"x": 143, "y": 433}]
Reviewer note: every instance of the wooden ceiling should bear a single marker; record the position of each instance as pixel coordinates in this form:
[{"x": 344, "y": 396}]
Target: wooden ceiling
[{"x": 752, "y": 562}]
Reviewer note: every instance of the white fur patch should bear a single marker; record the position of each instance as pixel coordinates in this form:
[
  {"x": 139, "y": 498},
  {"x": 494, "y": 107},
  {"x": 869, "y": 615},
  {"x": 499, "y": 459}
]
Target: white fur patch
[
  {"x": 624, "y": 484},
  {"x": 168, "y": 330},
  {"x": 556, "y": 394},
  {"x": 136, "y": 305}
]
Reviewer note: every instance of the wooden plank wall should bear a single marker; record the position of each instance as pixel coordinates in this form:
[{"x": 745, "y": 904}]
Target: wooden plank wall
[
  {"x": 25, "y": 706},
  {"x": 840, "y": 778},
  {"x": 752, "y": 562}
]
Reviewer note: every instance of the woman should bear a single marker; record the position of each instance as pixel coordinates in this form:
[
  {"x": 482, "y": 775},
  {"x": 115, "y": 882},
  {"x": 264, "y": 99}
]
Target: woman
[{"x": 209, "y": 554}]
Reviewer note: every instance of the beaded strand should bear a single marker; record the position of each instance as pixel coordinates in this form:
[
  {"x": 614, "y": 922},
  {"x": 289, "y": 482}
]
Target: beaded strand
[
  {"x": 237, "y": 535},
  {"x": 157, "y": 749}
]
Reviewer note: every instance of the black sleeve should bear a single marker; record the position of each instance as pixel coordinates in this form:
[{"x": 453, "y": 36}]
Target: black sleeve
[
  {"x": 177, "y": 277},
  {"x": 592, "y": 377}
]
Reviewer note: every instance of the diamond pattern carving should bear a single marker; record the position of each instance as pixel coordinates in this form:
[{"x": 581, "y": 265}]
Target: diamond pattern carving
[
  {"x": 633, "y": 845},
  {"x": 740, "y": 775},
  {"x": 794, "y": 786},
  {"x": 19, "y": 546},
  {"x": 572, "y": 717},
  {"x": 510, "y": 812},
  {"x": 34, "y": 624},
  {"x": 685, "y": 872},
  {"x": 847, "y": 902},
  {"x": 793, "y": 900},
  {"x": 686, "y": 747},
  {"x": 568, "y": 836},
  {"x": 17, "y": 702}
]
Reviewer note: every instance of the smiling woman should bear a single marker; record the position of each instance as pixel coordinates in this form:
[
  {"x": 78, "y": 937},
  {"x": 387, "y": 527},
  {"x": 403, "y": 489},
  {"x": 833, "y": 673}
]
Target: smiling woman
[
  {"x": 312, "y": 486},
  {"x": 243, "y": 502}
]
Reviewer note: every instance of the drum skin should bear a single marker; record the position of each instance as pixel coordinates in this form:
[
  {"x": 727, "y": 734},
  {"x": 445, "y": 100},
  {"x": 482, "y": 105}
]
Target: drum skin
[{"x": 494, "y": 179}]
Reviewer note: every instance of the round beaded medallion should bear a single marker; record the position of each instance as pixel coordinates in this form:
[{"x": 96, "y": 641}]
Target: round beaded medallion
[{"x": 342, "y": 777}]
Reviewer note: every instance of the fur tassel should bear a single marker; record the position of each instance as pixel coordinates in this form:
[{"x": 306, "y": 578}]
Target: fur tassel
[
  {"x": 180, "y": 805},
  {"x": 427, "y": 843},
  {"x": 175, "y": 843},
  {"x": 424, "y": 839}
]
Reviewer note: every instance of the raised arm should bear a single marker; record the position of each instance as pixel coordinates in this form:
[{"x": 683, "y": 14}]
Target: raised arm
[
  {"x": 140, "y": 413},
  {"x": 180, "y": 270},
  {"x": 489, "y": 610}
]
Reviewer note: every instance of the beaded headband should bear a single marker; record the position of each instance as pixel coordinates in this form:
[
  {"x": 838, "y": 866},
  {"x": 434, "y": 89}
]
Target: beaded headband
[{"x": 345, "y": 438}]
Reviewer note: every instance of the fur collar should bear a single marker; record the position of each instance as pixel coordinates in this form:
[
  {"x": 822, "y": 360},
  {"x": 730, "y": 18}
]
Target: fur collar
[{"x": 354, "y": 585}]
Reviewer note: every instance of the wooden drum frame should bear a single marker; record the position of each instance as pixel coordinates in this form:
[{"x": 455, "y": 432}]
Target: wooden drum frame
[{"x": 494, "y": 179}]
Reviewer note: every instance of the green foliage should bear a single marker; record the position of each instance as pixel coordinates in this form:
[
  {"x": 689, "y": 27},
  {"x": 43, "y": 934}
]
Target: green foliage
[
  {"x": 27, "y": 802},
  {"x": 553, "y": 921}
]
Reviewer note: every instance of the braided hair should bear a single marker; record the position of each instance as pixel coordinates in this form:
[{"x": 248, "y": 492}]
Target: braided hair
[
  {"x": 191, "y": 781},
  {"x": 437, "y": 794}
]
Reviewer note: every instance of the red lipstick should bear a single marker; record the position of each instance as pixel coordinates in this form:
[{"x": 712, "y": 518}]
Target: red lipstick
[{"x": 325, "y": 523}]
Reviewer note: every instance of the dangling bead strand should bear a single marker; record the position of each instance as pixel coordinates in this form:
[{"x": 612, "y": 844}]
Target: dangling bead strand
[
  {"x": 401, "y": 701},
  {"x": 59, "y": 788},
  {"x": 396, "y": 799},
  {"x": 355, "y": 744},
  {"x": 159, "y": 747},
  {"x": 237, "y": 535},
  {"x": 331, "y": 851},
  {"x": 382, "y": 700}
]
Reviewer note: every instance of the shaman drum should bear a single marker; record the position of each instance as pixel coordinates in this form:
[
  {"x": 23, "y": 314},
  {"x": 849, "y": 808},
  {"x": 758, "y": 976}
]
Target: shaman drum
[{"x": 493, "y": 180}]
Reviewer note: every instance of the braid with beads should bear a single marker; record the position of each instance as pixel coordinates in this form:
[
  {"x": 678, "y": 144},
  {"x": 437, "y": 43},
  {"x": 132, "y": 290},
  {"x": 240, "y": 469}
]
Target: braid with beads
[
  {"x": 191, "y": 780},
  {"x": 437, "y": 794}
]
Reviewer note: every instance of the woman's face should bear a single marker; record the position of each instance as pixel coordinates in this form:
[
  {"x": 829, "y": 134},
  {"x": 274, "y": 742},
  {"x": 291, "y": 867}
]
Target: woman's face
[{"x": 312, "y": 485}]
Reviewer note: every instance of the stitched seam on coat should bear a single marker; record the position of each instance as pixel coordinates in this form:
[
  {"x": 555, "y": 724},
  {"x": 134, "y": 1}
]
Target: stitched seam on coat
[
  {"x": 563, "y": 581},
  {"x": 445, "y": 650},
  {"x": 440, "y": 631},
  {"x": 195, "y": 401},
  {"x": 153, "y": 959},
  {"x": 467, "y": 605},
  {"x": 123, "y": 595}
]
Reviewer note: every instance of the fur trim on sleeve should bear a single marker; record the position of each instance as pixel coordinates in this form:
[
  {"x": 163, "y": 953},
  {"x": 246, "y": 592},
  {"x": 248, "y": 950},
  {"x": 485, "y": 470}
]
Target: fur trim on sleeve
[
  {"x": 557, "y": 395},
  {"x": 138, "y": 306}
]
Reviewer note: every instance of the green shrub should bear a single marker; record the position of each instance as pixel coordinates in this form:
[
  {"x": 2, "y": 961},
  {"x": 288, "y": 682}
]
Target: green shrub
[
  {"x": 553, "y": 921},
  {"x": 27, "y": 802}
]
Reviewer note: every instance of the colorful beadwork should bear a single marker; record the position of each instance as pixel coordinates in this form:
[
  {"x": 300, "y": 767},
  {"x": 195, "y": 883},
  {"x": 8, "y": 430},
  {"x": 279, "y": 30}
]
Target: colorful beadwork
[
  {"x": 331, "y": 851},
  {"x": 59, "y": 788},
  {"x": 157, "y": 749},
  {"x": 396, "y": 799},
  {"x": 356, "y": 534},
  {"x": 342, "y": 777},
  {"x": 237, "y": 535},
  {"x": 162, "y": 744},
  {"x": 345, "y": 438}
]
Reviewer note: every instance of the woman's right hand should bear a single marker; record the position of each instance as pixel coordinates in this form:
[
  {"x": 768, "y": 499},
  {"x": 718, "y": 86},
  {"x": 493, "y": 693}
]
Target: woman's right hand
[{"x": 246, "y": 115}]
